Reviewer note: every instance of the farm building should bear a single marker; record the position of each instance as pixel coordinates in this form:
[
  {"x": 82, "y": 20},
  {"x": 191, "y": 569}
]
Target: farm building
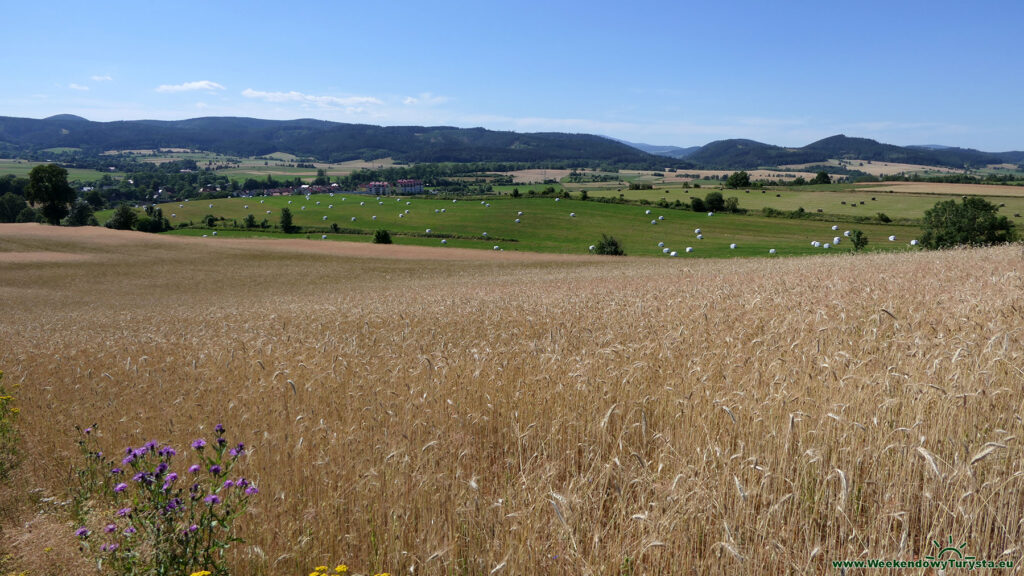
[
  {"x": 410, "y": 186},
  {"x": 378, "y": 188}
]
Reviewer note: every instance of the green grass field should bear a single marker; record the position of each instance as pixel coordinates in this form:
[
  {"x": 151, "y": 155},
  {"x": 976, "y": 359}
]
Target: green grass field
[
  {"x": 546, "y": 225},
  {"x": 21, "y": 168},
  {"x": 831, "y": 199}
]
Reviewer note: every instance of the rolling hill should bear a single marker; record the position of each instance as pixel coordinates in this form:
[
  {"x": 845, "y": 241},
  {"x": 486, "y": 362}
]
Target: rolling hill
[{"x": 322, "y": 140}]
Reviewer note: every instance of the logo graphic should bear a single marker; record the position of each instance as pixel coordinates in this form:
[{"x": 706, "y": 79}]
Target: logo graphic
[{"x": 957, "y": 550}]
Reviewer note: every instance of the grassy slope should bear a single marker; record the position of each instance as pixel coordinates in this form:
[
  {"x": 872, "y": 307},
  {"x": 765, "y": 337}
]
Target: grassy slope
[{"x": 546, "y": 224}]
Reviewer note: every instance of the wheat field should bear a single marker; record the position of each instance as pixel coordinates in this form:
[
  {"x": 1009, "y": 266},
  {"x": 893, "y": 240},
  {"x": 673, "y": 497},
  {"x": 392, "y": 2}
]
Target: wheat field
[{"x": 583, "y": 415}]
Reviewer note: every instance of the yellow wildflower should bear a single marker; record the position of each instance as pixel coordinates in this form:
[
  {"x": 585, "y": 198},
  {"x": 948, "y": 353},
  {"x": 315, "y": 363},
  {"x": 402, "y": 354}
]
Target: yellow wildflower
[
  {"x": 202, "y": 573},
  {"x": 341, "y": 569}
]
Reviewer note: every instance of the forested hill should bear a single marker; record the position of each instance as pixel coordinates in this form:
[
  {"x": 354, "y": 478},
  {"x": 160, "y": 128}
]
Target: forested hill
[
  {"x": 322, "y": 140},
  {"x": 736, "y": 154}
]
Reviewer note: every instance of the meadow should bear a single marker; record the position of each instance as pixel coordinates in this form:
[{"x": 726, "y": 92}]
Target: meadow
[
  {"x": 545, "y": 225},
  {"x": 471, "y": 412}
]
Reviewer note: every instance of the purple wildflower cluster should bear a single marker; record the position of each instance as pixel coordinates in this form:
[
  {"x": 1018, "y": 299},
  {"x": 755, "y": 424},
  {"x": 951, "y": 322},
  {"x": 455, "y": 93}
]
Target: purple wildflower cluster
[{"x": 157, "y": 510}]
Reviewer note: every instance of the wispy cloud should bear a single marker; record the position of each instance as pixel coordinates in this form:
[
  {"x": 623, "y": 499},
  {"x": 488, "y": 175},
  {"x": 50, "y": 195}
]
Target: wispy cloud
[
  {"x": 346, "y": 102},
  {"x": 74, "y": 86},
  {"x": 424, "y": 99},
  {"x": 190, "y": 86},
  {"x": 103, "y": 78}
]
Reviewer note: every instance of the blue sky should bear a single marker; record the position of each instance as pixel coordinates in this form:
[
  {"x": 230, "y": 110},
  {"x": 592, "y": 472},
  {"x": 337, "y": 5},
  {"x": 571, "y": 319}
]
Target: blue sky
[{"x": 681, "y": 73}]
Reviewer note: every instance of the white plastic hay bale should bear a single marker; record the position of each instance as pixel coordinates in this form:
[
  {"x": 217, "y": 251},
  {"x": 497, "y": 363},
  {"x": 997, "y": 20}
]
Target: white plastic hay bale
[
  {"x": 204, "y": 235},
  {"x": 246, "y": 206},
  {"x": 289, "y": 201},
  {"x": 182, "y": 205},
  {"x": 654, "y": 221},
  {"x": 836, "y": 240},
  {"x": 353, "y": 218},
  {"x": 892, "y": 238},
  {"x": 303, "y": 208},
  {"x": 443, "y": 210},
  {"x": 408, "y": 203},
  {"x": 665, "y": 250},
  {"x": 325, "y": 218},
  {"x": 428, "y": 230},
  {"x": 711, "y": 213},
  {"x": 772, "y": 251},
  {"x": 268, "y": 211},
  {"x": 211, "y": 205},
  {"x": 454, "y": 201},
  {"x": 827, "y": 246},
  {"x": 214, "y": 232},
  {"x": 661, "y": 244},
  {"x": 673, "y": 254},
  {"x": 261, "y": 202},
  {"x": 732, "y": 246},
  {"x": 330, "y": 206},
  {"x": 517, "y": 220},
  {"x": 572, "y": 214},
  {"x": 373, "y": 217},
  {"x": 700, "y": 236},
  {"x": 173, "y": 215},
  {"x": 484, "y": 234},
  {"x": 648, "y": 212},
  {"x": 324, "y": 237},
  {"x": 488, "y": 205},
  {"x": 520, "y": 213},
  {"x": 443, "y": 241},
  {"x": 696, "y": 231},
  {"x": 380, "y": 203},
  {"x": 362, "y": 203},
  {"x": 815, "y": 243},
  {"x": 496, "y": 247},
  {"x": 557, "y": 199},
  {"x": 592, "y": 248},
  {"x": 835, "y": 227},
  {"x": 846, "y": 233},
  {"x": 689, "y": 249},
  {"x": 661, "y": 217},
  {"x": 913, "y": 242},
  {"x": 400, "y": 215},
  {"x": 317, "y": 202}
]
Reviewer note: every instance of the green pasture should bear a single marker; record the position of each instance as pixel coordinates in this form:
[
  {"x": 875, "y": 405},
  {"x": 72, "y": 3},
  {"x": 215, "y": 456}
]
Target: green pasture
[
  {"x": 830, "y": 199},
  {"x": 546, "y": 224},
  {"x": 21, "y": 168}
]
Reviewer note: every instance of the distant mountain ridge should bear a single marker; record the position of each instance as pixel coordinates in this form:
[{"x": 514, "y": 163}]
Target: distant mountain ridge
[
  {"x": 335, "y": 142},
  {"x": 319, "y": 139},
  {"x": 750, "y": 154}
]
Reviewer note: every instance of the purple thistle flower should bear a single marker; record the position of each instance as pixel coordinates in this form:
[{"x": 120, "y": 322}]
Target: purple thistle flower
[
  {"x": 241, "y": 482},
  {"x": 82, "y": 532},
  {"x": 172, "y": 476},
  {"x": 199, "y": 444},
  {"x": 237, "y": 450},
  {"x": 219, "y": 428},
  {"x": 190, "y": 530},
  {"x": 129, "y": 450},
  {"x": 88, "y": 430},
  {"x": 120, "y": 487},
  {"x": 124, "y": 512},
  {"x": 221, "y": 441},
  {"x": 150, "y": 446},
  {"x": 128, "y": 460},
  {"x": 112, "y": 547},
  {"x": 115, "y": 471},
  {"x": 212, "y": 499},
  {"x": 139, "y": 477},
  {"x": 193, "y": 469},
  {"x": 229, "y": 484},
  {"x": 129, "y": 530},
  {"x": 167, "y": 451},
  {"x": 161, "y": 468},
  {"x": 215, "y": 469},
  {"x": 110, "y": 528},
  {"x": 251, "y": 489}
]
